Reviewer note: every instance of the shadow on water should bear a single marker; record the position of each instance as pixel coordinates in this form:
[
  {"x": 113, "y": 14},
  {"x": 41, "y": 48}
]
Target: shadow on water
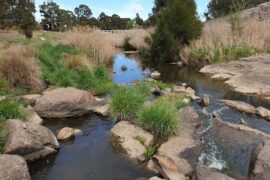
[{"x": 89, "y": 156}]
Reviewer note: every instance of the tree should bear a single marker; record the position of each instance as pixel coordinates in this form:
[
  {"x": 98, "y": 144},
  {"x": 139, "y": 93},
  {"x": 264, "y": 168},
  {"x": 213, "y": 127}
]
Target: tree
[
  {"x": 25, "y": 10},
  {"x": 83, "y": 13},
  {"x": 177, "y": 25},
  {"x": 7, "y": 13},
  {"x": 49, "y": 11},
  {"x": 219, "y": 8},
  {"x": 65, "y": 20},
  {"x": 139, "y": 20}
]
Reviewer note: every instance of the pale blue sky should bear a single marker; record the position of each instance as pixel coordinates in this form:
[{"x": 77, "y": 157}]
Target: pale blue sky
[{"x": 124, "y": 8}]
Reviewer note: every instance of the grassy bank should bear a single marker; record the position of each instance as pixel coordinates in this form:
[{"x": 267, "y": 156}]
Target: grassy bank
[{"x": 220, "y": 43}]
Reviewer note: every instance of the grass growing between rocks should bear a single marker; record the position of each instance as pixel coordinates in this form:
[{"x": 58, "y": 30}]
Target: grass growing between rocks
[
  {"x": 58, "y": 70},
  {"x": 127, "y": 101},
  {"x": 160, "y": 119}
]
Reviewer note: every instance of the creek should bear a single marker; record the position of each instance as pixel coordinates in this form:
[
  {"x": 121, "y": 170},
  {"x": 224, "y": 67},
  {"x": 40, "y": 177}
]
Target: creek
[{"x": 92, "y": 156}]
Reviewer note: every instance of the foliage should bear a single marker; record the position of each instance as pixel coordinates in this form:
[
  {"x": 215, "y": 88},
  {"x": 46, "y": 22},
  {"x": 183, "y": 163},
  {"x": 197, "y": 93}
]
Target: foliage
[
  {"x": 127, "y": 101},
  {"x": 180, "y": 104},
  {"x": 55, "y": 72},
  {"x": 83, "y": 13},
  {"x": 159, "y": 118},
  {"x": 177, "y": 24},
  {"x": 140, "y": 139},
  {"x": 56, "y": 19},
  {"x": 223, "y": 7}
]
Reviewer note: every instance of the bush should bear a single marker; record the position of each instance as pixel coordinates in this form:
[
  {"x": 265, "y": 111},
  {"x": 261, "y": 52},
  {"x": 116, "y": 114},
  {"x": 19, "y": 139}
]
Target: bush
[
  {"x": 177, "y": 24},
  {"x": 159, "y": 118},
  {"x": 20, "y": 68},
  {"x": 126, "y": 102}
]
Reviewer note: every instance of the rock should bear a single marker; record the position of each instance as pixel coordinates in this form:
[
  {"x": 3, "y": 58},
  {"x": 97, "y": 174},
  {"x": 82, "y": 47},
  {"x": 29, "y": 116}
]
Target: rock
[
  {"x": 166, "y": 91},
  {"x": 30, "y": 99},
  {"x": 206, "y": 174},
  {"x": 29, "y": 140},
  {"x": 13, "y": 167},
  {"x": 33, "y": 117},
  {"x": 261, "y": 169},
  {"x": 2, "y": 98},
  {"x": 65, "y": 102},
  {"x": 205, "y": 101},
  {"x": 102, "y": 110},
  {"x": 179, "y": 89},
  {"x": 190, "y": 91},
  {"x": 215, "y": 114},
  {"x": 66, "y": 133},
  {"x": 155, "y": 75},
  {"x": 126, "y": 135},
  {"x": 248, "y": 75},
  {"x": 240, "y": 106},
  {"x": 263, "y": 112},
  {"x": 195, "y": 98},
  {"x": 152, "y": 166},
  {"x": 155, "y": 178},
  {"x": 156, "y": 91},
  {"x": 167, "y": 167},
  {"x": 184, "y": 84}
]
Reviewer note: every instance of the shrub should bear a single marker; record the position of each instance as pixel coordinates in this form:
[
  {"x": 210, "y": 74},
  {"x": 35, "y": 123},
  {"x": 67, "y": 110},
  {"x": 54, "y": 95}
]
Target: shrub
[
  {"x": 177, "y": 24},
  {"x": 126, "y": 102},
  {"x": 159, "y": 118},
  {"x": 20, "y": 68}
]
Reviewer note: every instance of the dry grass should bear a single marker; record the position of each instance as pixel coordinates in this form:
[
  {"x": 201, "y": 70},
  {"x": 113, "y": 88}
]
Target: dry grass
[
  {"x": 19, "y": 66},
  {"x": 102, "y": 45},
  {"x": 218, "y": 42},
  {"x": 78, "y": 62}
]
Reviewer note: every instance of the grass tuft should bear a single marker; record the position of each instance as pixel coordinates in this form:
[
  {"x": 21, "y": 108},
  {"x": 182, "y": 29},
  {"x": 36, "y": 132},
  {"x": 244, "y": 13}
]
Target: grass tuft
[{"x": 160, "y": 119}]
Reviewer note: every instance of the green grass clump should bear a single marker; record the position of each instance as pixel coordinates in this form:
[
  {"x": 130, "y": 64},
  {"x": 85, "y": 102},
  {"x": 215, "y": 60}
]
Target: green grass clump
[
  {"x": 11, "y": 109},
  {"x": 97, "y": 80},
  {"x": 150, "y": 152},
  {"x": 160, "y": 119},
  {"x": 126, "y": 102}
]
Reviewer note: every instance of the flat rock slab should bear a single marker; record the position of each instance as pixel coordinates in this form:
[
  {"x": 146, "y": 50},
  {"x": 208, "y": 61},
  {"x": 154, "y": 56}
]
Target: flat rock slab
[
  {"x": 129, "y": 136},
  {"x": 64, "y": 102},
  {"x": 13, "y": 167},
  {"x": 29, "y": 140},
  {"x": 248, "y": 75}
]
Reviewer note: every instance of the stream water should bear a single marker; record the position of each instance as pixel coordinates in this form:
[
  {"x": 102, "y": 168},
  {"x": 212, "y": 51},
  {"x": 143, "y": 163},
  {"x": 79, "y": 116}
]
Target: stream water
[{"x": 92, "y": 156}]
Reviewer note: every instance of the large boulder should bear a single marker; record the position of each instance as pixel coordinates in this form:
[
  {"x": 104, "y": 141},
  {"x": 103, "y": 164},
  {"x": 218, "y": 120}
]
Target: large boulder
[
  {"x": 168, "y": 168},
  {"x": 207, "y": 174},
  {"x": 13, "y": 167},
  {"x": 65, "y": 102},
  {"x": 240, "y": 106},
  {"x": 132, "y": 139},
  {"x": 261, "y": 169},
  {"x": 29, "y": 140}
]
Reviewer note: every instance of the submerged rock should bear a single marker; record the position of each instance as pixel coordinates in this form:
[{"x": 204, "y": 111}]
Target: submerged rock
[
  {"x": 132, "y": 139},
  {"x": 207, "y": 174},
  {"x": 29, "y": 140},
  {"x": 67, "y": 133},
  {"x": 13, "y": 167},
  {"x": 65, "y": 102}
]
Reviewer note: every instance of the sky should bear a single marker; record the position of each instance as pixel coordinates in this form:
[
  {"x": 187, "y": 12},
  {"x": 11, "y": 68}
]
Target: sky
[{"x": 124, "y": 8}]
